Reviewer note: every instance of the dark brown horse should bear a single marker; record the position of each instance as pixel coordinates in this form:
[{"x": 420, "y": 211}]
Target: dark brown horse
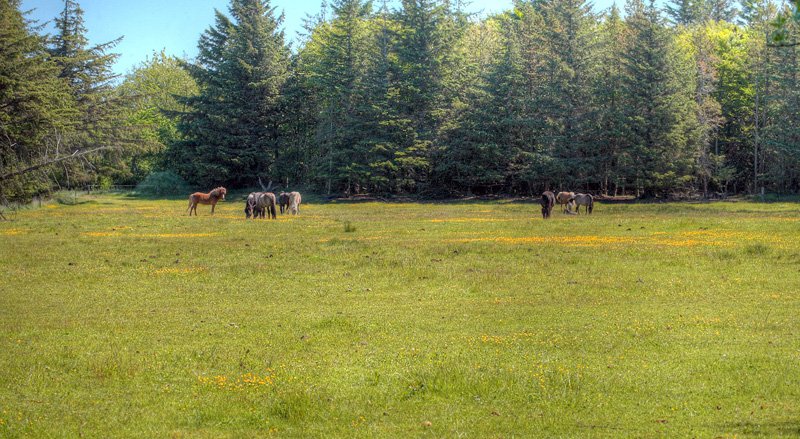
[
  {"x": 209, "y": 198},
  {"x": 548, "y": 201},
  {"x": 283, "y": 201},
  {"x": 265, "y": 202}
]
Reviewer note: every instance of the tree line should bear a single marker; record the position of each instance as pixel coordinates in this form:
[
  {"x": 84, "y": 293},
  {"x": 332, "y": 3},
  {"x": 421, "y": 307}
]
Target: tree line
[{"x": 422, "y": 98}]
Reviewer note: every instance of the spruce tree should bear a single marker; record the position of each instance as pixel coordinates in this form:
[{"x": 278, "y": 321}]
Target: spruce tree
[
  {"x": 422, "y": 49},
  {"x": 687, "y": 12},
  {"x": 779, "y": 152},
  {"x": 338, "y": 71},
  {"x": 232, "y": 132},
  {"x": 565, "y": 101},
  {"x": 35, "y": 109},
  {"x": 89, "y": 72},
  {"x": 613, "y": 130},
  {"x": 660, "y": 108}
]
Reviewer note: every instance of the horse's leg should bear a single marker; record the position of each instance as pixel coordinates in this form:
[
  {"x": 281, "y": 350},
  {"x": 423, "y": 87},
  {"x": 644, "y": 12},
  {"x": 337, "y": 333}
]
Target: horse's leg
[{"x": 213, "y": 205}]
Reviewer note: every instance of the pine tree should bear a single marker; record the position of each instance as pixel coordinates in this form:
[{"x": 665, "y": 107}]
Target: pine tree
[
  {"x": 422, "y": 49},
  {"x": 613, "y": 130},
  {"x": 722, "y": 10},
  {"x": 35, "y": 109},
  {"x": 687, "y": 12},
  {"x": 660, "y": 110},
  {"x": 89, "y": 72},
  {"x": 475, "y": 153},
  {"x": 565, "y": 101},
  {"x": 232, "y": 133},
  {"x": 779, "y": 152},
  {"x": 709, "y": 117},
  {"x": 338, "y": 71}
]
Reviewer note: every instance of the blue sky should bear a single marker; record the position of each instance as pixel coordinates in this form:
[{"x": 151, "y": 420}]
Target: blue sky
[{"x": 176, "y": 25}]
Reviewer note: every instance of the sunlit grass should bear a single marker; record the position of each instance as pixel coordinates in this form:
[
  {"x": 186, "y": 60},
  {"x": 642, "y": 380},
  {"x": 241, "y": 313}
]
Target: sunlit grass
[{"x": 127, "y": 318}]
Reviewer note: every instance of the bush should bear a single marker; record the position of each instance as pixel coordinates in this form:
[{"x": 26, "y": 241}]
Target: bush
[{"x": 161, "y": 184}]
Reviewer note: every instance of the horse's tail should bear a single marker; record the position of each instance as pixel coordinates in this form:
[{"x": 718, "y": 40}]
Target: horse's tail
[
  {"x": 190, "y": 203},
  {"x": 272, "y": 210},
  {"x": 591, "y": 203}
]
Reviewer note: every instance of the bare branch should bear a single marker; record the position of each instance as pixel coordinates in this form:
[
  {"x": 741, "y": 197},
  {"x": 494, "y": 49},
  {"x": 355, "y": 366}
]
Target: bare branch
[{"x": 74, "y": 155}]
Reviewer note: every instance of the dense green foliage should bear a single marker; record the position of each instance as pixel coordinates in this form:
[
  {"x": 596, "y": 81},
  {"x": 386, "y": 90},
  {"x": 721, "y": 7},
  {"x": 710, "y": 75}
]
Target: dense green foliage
[
  {"x": 126, "y": 318},
  {"x": 63, "y": 117},
  {"x": 422, "y": 99},
  {"x": 231, "y": 131}
]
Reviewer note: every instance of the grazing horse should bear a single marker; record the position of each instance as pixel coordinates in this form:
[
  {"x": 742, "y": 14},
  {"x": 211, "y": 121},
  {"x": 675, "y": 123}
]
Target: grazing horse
[
  {"x": 251, "y": 208},
  {"x": 283, "y": 201},
  {"x": 209, "y": 198},
  {"x": 548, "y": 201},
  {"x": 564, "y": 198},
  {"x": 265, "y": 203},
  {"x": 585, "y": 200},
  {"x": 294, "y": 202}
]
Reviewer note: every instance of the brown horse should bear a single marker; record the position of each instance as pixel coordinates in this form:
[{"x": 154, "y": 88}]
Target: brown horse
[
  {"x": 209, "y": 198},
  {"x": 283, "y": 201},
  {"x": 265, "y": 202},
  {"x": 548, "y": 201},
  {"x": 564, "y": 198}
]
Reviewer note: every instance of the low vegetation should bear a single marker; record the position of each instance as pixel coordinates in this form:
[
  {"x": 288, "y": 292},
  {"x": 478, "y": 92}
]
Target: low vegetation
[{"x": 125, "y": 317}]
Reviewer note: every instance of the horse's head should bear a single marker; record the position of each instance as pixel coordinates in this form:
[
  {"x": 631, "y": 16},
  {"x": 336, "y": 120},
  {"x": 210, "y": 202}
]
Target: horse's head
[{"x": 221, "y": 191}]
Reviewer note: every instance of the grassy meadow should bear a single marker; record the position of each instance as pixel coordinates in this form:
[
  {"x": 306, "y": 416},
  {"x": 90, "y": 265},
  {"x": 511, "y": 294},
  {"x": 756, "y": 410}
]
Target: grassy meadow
[{"x": 124, "y": 317}]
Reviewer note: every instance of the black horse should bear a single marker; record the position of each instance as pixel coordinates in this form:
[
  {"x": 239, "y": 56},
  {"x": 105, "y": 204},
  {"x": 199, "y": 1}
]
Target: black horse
[
  {"x": 548, "y": 201},
  {"x": 283, "y": 201}
]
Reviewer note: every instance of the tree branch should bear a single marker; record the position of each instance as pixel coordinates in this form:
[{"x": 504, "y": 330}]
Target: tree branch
[{"x": 74, "y": 155}]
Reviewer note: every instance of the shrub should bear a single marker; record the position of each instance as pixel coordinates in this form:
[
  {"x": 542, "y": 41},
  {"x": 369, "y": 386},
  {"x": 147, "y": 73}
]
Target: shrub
[{"x": 161, "y": 184}]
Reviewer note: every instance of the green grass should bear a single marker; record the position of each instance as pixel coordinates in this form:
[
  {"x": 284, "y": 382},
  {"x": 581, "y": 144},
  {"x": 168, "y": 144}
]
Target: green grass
[{"x": 124, "y": 317}]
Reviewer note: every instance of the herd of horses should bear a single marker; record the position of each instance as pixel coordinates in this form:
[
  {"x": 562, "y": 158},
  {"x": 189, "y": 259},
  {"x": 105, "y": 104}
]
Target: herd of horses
[
  {"x": 568, "y": 199},
  {"x": 261, "y": 204},
  {"x": 258, "y": 204}
]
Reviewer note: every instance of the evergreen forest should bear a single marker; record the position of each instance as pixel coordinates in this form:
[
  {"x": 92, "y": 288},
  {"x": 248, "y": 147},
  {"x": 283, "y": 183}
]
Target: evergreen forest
[{"x": 692, "y": 98}]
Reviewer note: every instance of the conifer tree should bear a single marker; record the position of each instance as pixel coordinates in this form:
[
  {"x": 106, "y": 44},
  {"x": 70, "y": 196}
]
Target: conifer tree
[
  {"x": 232, "y": 133},
  {"x": 422, "y": 50},
  {"x": 613, "y": 131},
  {"x": 89, "y": 72},
  {"x": 565, "y": 101},
  {"x": 779, "y": 151},
  {"x": 338, "y": 72},
  {"x": 660, "y": 110},
  {"x": 686, "y": 12},
  {"x": 476, "y": 149},
  {"x": 35, "y": 109}
]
